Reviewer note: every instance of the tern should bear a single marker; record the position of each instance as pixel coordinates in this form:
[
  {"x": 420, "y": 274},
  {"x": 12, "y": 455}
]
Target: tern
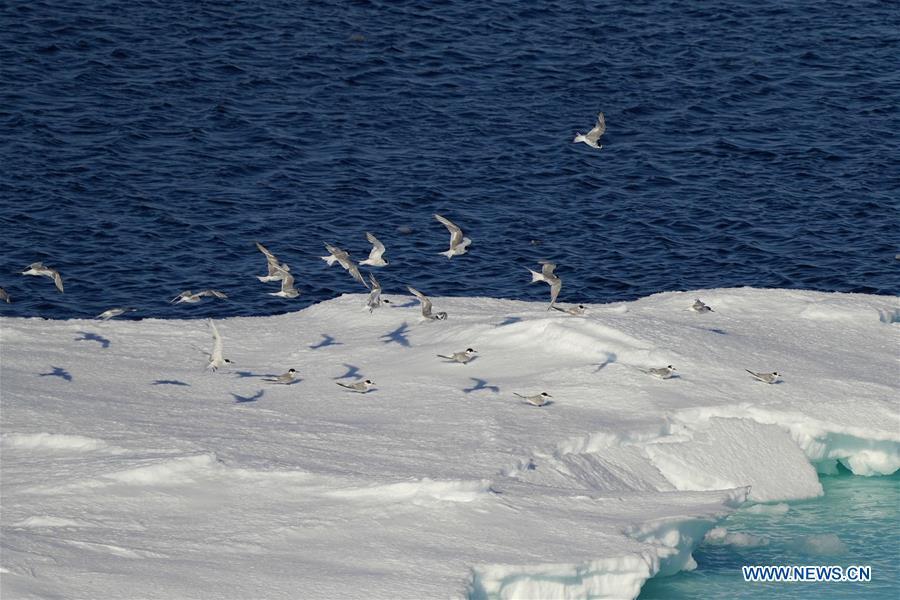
[
  {"x": 284, "y": 378},
  {"x": 461, "y": 357},
  {"x": 106, "y": 315},
  {"x": 458, "y": 243},
  {"x": 188, "y": 297},
  {"x": 38, "y": 269},
  {"x": 360, "y": 386},
  {"x": 700, "y": 307},
  {"x": 765, "y": 377},
  {"x": 4, "y": 295},
  {"x": 287, "y": 286},
  {"x": 375, "y": 255},
  {"x": 342, "y": 257},
  {"x": 591, "y": 137},
  {"x": 374, "y": 300},
  {"x": 536, "y": 400},
  {"x": 662, "y": 372},
  {"x": 426, "y": 305},
  {"x": 276, "y": 269},
  {"x": 577, "y": 311},
  {"x": 547, "y": 275},
  {"x": 216, "y": 359}
]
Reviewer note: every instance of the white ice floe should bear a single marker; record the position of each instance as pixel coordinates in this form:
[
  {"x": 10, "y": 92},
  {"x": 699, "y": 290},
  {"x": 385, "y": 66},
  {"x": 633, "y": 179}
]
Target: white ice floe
[{"x": 124, "y": 461}]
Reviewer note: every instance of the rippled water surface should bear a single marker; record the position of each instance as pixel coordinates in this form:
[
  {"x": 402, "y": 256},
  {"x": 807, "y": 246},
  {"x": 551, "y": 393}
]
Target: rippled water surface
[
  {"x": 146, "y": 145},
  {"x": 856, "y": 523}
]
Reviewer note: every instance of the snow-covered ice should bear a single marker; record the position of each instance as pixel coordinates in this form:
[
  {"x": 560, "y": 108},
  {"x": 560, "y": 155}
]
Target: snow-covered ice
[{"x": 128, "y": 470}]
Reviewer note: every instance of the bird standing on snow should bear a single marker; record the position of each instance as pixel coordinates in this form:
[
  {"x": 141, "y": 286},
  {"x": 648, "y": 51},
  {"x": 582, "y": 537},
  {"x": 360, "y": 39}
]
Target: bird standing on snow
[
  {"x": 458, "y": 243},
  {"x": 536, "y": 400},
  {"x": 426, "y": 305},
  {"x": 284, "y": 378},
  {"x": 360, "y": 387},
  {"x": 662, "y": 372},
  {"x": 591, "y": 137},
  {"x": 576, "y": 311},
  {"x": 765, "y": 377},
  {"x": 375, "y": 255},
  {"x": 700, "y": 307},
  {"x": 38, "y": 269},
  {"x": 342, "y": 257},
  {"x": 547, "y": 275},
  {"x": 461, "y": 357}
]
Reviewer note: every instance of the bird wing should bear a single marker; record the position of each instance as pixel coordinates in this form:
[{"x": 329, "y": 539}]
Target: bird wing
[
  {"x": 426, "y": 303},
  {"x": 57, "y": 280},
  {"x": 269, "y": 256},
  {"x": 339, "y": 254},
  {"x": 554, "y": 291},
  {"x": 216, "y": 354},
  {"x": 287, "y": 281},
  {"x": 598, "y": 130},
  {"x": 377, "y": 247},
  {"x": 376, "y": 287},
  {"x": 215, "y": 293},
  {"x": 354, "y": 272},
  {"x": 456, "y": 234},
  {"x": 183, "y": 294}
]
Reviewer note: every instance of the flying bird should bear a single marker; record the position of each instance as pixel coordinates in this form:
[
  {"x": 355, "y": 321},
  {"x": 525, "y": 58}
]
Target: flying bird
[
  {"x": 375, "y": 255},
  {"x": 188, "y": 297},
  {"x": 426, "y": 305},
  {"x": 38, "y": 269},
  {"x": 360, "y": 387},
  {"x": 458, "y": 243},
  {"x": 106, "y": 315},
  {"x": 287, "y": 286},
  {"x": 216, "y": 359},
  {"x": 591, "y": 137},
  {"x": 275, "y": 268},
  {"x": 461, "y": 357},
  {"x": 342, "y": 257},
  {"x": 547, "y": 275},
  {"x": 536, "y": 400},
  {"x": 765, "y": 377},
  {"x": 374, "y": 300}
]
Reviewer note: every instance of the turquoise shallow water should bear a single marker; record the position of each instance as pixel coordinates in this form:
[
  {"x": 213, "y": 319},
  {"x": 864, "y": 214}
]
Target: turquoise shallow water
[{"x": 857, "y": 522}]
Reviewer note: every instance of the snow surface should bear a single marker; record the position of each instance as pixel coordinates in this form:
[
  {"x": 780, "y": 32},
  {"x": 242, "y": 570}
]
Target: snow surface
[{"x": 130, "y": 471}]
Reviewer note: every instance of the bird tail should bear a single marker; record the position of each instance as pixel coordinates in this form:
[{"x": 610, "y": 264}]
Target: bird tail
[
  {"x": 442, "y": 356},
  {"x": 578, "y": 138},
  {"x": 330, "y": 259},
  {"x": 535, "y": 276},
  {"x": 751, "y": 372},
  {"x": 448, "y": 253},
  {"x": 519, "y": 395}
]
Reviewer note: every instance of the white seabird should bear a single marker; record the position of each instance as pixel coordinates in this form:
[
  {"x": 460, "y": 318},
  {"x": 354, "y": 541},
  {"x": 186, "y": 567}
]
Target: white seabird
[
  {"x": 537, "y": 399},
  {"x": 114, "y": 312},
  {"x": 39, "y": 270},
  {"x": 287, "y": 286},
  {"x": 662, "y": 372},
  {"x": 342, "y": 257},
  {"x": 577, "y": 311},
  {"x": 216, "y": 359},
  {"x": 765, "y": 377},
  {"x": 188, "y": 297},
  {"x": 374, "y": 300},
  {"x": 284, "y": 378},
  {"x": 458, "y": 243},
  {"x": 359, "y": 386},
  {"x": 275, "y": 268},
  {"x": 547, "y": 275},
  {"x": 375, "y": 255},
  {"x": 426, "y": 305},
  {"x": 591, "y": 137},
  {"x": 461, "y": 357}
]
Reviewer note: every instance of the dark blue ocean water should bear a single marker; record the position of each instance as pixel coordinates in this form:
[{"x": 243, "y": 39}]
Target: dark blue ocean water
[{"x": 146, "y": 145}]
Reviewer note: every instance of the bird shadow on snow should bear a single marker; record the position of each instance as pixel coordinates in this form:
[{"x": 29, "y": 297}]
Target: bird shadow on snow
[
  {"x": 87, "y": 336},
  {"x": 407, "y": 304},
  {"x": 610, "y": 359},
  {"x": 57, "y": 372},
  {"x": 247, "y": 374},
  {"x": 509, "y": 321},
  {"x": 352, "y": 372},
  {"x": 244, "y": 399},
  {"x": 169, "y": 382},
  {"x": 327, "y": 340},
  {"x": 481, "y": 384},
  {"x": 398, "y": 335}
]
